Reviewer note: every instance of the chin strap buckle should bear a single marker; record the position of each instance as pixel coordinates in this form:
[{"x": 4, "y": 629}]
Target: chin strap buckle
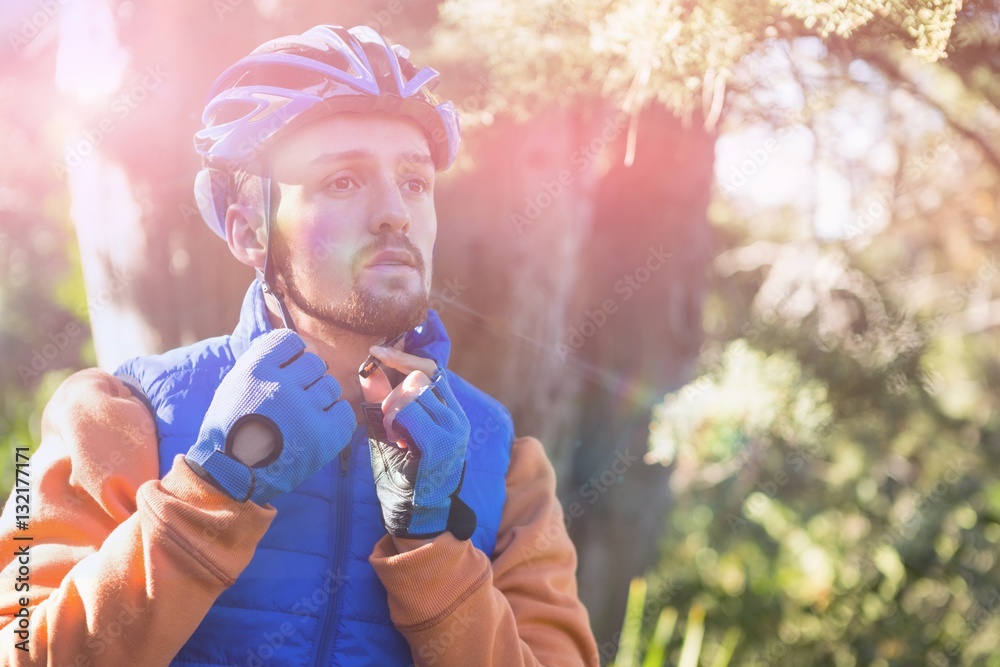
[{"x": 374, "y": 422}]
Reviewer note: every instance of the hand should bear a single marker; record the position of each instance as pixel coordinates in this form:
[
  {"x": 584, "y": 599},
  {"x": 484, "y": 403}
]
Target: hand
[
  {"x": 417, "y": 479},
  {"x": 277, "y": 387}
]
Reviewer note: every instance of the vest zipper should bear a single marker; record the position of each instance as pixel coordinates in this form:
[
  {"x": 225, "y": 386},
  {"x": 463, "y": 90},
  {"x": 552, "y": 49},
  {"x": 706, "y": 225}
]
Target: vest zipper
[{"x": 340, "y": 537}]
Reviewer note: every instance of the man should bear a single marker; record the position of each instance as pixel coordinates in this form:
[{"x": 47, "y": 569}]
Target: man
[{"x": 250, "y": 499}]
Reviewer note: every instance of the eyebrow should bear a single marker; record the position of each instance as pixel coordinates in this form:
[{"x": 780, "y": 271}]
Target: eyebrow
[{"x": 416, "y": 157}]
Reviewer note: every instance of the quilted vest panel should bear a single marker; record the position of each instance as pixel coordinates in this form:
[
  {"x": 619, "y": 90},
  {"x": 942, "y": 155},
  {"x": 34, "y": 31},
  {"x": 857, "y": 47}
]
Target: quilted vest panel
[{"x": 309, "y": 595}]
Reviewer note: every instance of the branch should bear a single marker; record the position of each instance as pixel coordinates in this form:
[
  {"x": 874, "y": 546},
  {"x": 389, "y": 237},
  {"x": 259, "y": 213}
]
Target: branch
[{"x": 892, "y": 70}]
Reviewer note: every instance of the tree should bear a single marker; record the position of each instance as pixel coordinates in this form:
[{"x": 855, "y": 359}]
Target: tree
[
  {"x": 832, "y": 464},
  {"x": 630, "y": 63}
]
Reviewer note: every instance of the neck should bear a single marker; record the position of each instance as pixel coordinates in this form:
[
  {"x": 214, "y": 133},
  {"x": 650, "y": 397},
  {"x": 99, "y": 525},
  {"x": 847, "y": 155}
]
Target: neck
[{"x": 342, "y": 350}]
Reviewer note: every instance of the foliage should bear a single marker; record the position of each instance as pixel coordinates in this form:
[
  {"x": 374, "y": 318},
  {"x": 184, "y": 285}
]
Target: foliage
[
  {"x": 679, "y": 54},
  {"x": 783, "y": 406},
  {"x": 43, "y": 333},
  {"x": 871, "y": 539},
  {"x": 636, "y": 649},
  {"x": 835, "y": 500}
]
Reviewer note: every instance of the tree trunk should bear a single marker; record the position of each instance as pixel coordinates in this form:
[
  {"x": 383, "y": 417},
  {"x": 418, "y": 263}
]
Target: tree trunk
[
  {"x": 533, "y": 325},
  {"x": 155, "y": 275},
  {"x": 646, "y": 331},
  {"x": 511, "y": 233}
]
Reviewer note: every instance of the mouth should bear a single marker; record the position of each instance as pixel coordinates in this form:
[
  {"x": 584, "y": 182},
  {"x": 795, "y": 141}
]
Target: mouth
[{"x": 391, "y": 261}]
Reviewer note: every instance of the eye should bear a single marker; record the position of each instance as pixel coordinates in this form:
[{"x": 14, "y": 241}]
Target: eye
[
  {"x": 342, "y": 183},
  {"x": 417, "y": 185}
]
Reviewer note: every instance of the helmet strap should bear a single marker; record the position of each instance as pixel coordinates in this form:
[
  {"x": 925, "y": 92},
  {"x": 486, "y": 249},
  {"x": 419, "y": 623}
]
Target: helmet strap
[{"x": 267, "y": 277}]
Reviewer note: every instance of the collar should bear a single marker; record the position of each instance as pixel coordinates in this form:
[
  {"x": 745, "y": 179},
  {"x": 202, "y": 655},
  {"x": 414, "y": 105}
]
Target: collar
[{"x": 428, "y": 339}]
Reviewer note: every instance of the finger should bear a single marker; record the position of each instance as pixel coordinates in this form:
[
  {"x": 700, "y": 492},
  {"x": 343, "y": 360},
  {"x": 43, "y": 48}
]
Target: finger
[
  {"x": 442, "y": 390},
  {"x": 324, "y": 391},
  {"x": 444, "y": 410},
  {"x": 340, "y": 419},
  {"x": 281, "y": 345},
  {"x": 402, "y": 361},
  {"x": 376, "y": 387},
  {"x": 305, "y": 370},
  {"x": 406, "y": 393}
]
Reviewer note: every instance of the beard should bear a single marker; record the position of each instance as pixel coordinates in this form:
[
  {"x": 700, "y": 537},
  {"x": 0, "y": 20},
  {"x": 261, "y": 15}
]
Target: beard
[{"x": 363, "y": 311}]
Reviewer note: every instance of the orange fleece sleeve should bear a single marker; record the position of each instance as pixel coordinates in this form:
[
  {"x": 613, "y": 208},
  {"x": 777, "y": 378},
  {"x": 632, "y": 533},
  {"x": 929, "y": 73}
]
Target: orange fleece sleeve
[
  {"x": 456, "y": 607},
  {"x": 122, "y": 566}
]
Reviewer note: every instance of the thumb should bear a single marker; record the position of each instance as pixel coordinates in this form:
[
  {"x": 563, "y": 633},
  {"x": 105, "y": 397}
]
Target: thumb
[{"x": 375, "y": 387}]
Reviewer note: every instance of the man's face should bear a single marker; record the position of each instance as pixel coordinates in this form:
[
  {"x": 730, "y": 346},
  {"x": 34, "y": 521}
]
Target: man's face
[{"x": 355, "y": 227}]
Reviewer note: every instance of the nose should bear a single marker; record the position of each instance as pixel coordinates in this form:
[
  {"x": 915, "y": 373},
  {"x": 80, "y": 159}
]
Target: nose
[{"x": 389, "y": 210}]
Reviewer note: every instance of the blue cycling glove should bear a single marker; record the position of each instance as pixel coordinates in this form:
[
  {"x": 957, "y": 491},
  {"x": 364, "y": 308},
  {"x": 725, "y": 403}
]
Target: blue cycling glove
[
  {"x": 278, "y": 384},
  {"x": 418, "y": 486}
]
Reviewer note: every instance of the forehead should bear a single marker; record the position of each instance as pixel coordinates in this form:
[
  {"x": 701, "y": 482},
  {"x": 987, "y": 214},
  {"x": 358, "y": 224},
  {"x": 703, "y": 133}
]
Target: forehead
[{"x": 380, "y": 138}]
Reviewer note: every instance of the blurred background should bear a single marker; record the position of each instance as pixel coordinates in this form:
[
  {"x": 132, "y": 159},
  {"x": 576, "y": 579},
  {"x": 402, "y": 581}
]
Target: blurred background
[{"x": 734, "y": 263}]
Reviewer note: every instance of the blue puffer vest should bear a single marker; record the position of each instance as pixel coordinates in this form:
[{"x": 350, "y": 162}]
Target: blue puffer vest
[{"x": 309, "y": 595}]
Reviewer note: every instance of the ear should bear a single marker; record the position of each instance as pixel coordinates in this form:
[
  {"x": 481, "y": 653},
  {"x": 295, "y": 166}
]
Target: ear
[{"x": 245, "y": 235}]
